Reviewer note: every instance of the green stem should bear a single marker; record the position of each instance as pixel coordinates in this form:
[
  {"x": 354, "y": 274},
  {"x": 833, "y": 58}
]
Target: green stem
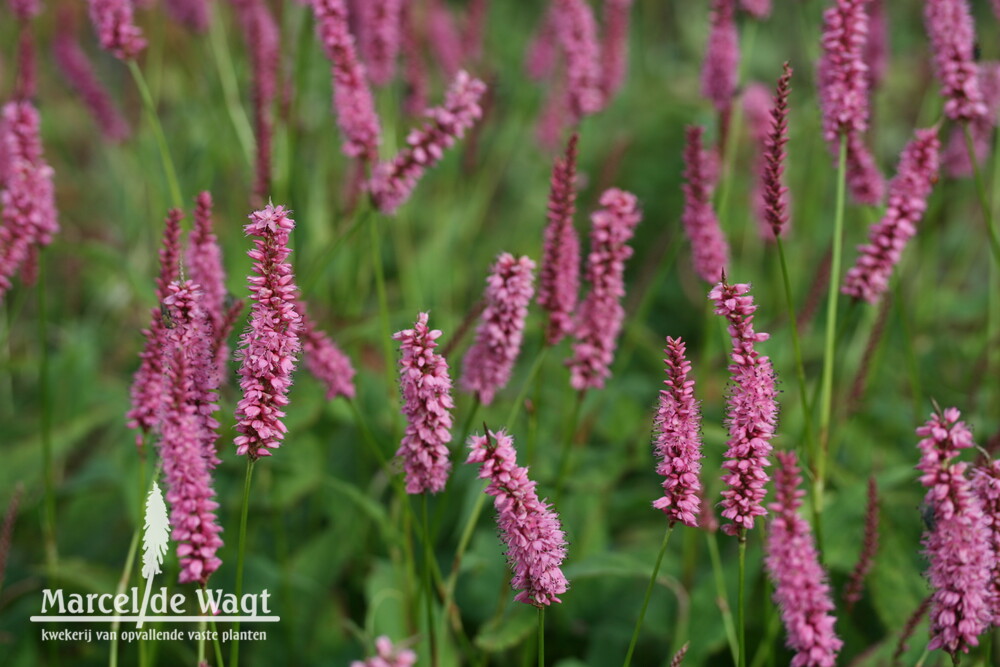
[
  {"x": 463, "y": 544},
  {"x": 826, "y": 396},
  {"x": 202, "y": 628},
  {"x": 649, "y": 593},
  {"x": 161, "y": 139},
  {"x": 741, "y": 601},
  {"x": 383, "y": 305},
  {"x": 467, "y": 428},
  {"x": 428, "y": 588},
  {"x": 230, "y": 88},
  {"x": 45, "y": 397},
  {"x": 216, "y": 644},
  {"x": 122, "y": 582},
  {"x": 984, "y": 202},
  {"x": 367, "y": 436},
  {"x": 723, "y": 598},
  {"x": 541, "y": 637},
  {"x": 234, "y": 651},
  {"x": 519, "y": 401}
]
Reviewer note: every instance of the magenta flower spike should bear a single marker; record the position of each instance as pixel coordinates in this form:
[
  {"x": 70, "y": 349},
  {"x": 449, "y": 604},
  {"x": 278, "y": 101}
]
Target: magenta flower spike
[
  {"x": 759, "y": 9},
  {"x": 559, "y": 279},
  {"x": 986, "y": 486},
  {"x": 352, "y": 98},
  {"x": 188, "y": 433},
  {"x": 868, "y": 279},
  {"x": 576, "y": 30},
  {"x": 952, "y": 34},
  {"x": 79, "y": 73},
  {"x": 864, "y": 180},
  {"x": 444, "y": 38},
  {"x": 262, "y": 36},
  {"x": 800, "y": 584},
  {"x": 147, "y": 383},
  {"x": 24, "y": 10},
  {"x": 720, "y": 69},
  {"x": 324, "y": 359},
  {"x": 599, "y": 320},
  {"x": 392, "y": 182},
  {"x": 536, "y": 545},
  {"x": 386, "y": 655},
  {"x": 426, "y": 389},
  {"x": 474, "y": 31},
  {"x": 710, "y": 252},
  {"x": 414, "y": 68},
  {"x": 677, "y": 429},
  {"x": 774, "y": 193},
  {"x": 614, "y": 46},
  {"x": 488, "y": 364},
  {"x": 269, "y": 347},
  {"x": 958, "y": 545},
  {"x": 381, "y": 37},
  {"x": 842, "y": 72},
  {"x": 955, "y": 158},
  {"x": 752, "y": 413},
  {"x": 27, "y": 195},
  {"x": 116, "y": 29}
]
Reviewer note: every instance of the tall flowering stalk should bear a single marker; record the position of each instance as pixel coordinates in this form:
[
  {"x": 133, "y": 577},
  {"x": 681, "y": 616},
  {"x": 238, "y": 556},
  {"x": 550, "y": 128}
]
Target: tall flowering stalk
[
  {"x": 147, "y": 384},
  {"x": 392, "y": 182},
  {"x": 953, "y": 41},
  {"x": 380, "y": 38},
  {"x": 986, "y": 486},
  {"x": 445, "y": 40},
  {"x": 800, "y": 587},
  {"x": 601, "y": 314},
  {"x": 614, "y": 46},
  {"x": 325, "y": 360},
  {"x": 262, "y": 37},
  {"x": 710, "y": 252},
  {"x": 487, "y": 365},
  {"x": 352, "y": 98},
  {"x": 536, "y": 545},
  {"x": 559, "y": 279},
  {"x": 188, "y": 429},
  {"x": 908, "y": 192},
  {"x": 116, "y": 29},
  {"x": 720, "y": 69},
  {"x": 269, "y": 347},
  {"x": 414, "y": 67},
  {"x": 955, "y": 160},
  {"x": 576, "y": 31},
  {"x": 958, "y": 543},
  {"x": 842, "y": 72},
  {"x": 426, "y": 389}
]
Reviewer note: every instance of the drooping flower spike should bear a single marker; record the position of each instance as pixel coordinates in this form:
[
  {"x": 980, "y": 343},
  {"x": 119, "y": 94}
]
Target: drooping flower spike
[
  {"x": 324, "y": 359},
  {"x": 710, "y": 252}
]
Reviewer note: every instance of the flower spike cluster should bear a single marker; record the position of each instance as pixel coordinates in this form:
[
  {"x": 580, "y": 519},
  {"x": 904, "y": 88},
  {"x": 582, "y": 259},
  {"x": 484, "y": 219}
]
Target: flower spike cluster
[
  {"x": 720, "y": 69},
  {"x": 536, "y": 545},
  {"x": 381, "y": 37},
  {"x": 868, "y": 279},
  {"x": 800, "y": 586},
  {"x": 392, "y": 182},
  {"x": 775, "y": 193},
  {"x": 116, "y": 28},
  {"x": 601, "y": 314},
  {"x": 187, "y": 445},
  {"x": 559, "y": 279},
  {"x": 842, "y": 72},
  {"x": 986, "y": 486},
  {"x": 426, "y": 389},
  {"x": 487, "y": 365},
  {"x": 386, "y": 655},
  {"x": 269, "y": 347},
  {"x": 953, "y": 41},
  {"x": 678, "y": 440},
  {"x": 204, "y": 266},
  {"x": 752, "y": 414},
  {"x": 708, "y": 245},
  {"x": 958, "y": 544}
]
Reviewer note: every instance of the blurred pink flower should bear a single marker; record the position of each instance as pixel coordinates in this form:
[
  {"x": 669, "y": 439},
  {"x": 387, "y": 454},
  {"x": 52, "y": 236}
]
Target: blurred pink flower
[
  {"x": 986, "y": 486},
  {"x": 876, "y": 54},
  {"x": 677, "y": 429},
  {"x": 487, "y": 365},
  {"x": 269, "y": 347},
  {"x": 476, "y": 20},
  {"x": 559, "y": 279},
  {"x": 720, "y": 69},
  {"x": 864, "y": 180},
  {"x": 444, "y": 38},
  {"x": 426, "y": 389},
  {"x": 614, "y": 46},
  {"x": 952, "y": 34},
  {"x": 543, "y": 52},
  {"x": 800, "y": 584},
  {"x": 908, "y": 192},
  {"x": 324, "y": 359},
  {"x": 599, "y": 319},
  {"x": 955, "y": 157},
  {"x": 24, "y": 10},
  {"x": 386, "y": 655},
  {"x": 414, "y": 68},
  {"x": 759, "y": 9},
  {"x": 842, "y": 72},
  {"x": 710, "y": 252},
  {"x": 392, "y": 182},
  {"x": 192, "y": 13},
  {"x": 576, "y": 30},
  {"x": 116, "y": 29},
  {"x": 752, "y": 413},
  {"x": 381, "y": 37},
  {"x": 536, "y": 545}
]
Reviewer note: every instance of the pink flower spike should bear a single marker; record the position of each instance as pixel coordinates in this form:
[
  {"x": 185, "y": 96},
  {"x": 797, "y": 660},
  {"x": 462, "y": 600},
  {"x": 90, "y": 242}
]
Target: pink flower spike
[
  {"x": 380, "y": 38},
  {"x": 908, "y": 192},
  {"x": 414, "y": 68},
  {"x": 842, "y": 72},
  {"x": 720, "y": 69},
  {"x": 386, "y": 655},
  {"x": 559, "y": 280},
  {"x": 444, "y": 38},
  {"x": 864, "y": 180},
  {"x": 24, "y": 10},
  {"x": 952, "y": 34},
  {"x": 958, "y": 546},
  {"x": 187, "y": 445},
  {"x": 426, "y": 389},
  {"x": 392, "y": 182},
  {"x": 759, "y": 9},
  {"x": 542, "y": 53},
  {"x": 774, "y": 194},
  {"x": 752, "y": 413},
  {"x": 352, "y": 98},
  {"x": 677, "y": 429},
  {"x": 576, "y": 30},
  {"x": 325, "y": 360},
  {"x": 955, "y": 158},
  {"x": 800, "y": 584},
  {"x": 708, "y": 244},
  {"x": 116, "y": 29},
  {"x": 986, "y": 486},
  {"x": 536, "y": 545},
  {"x": 614, "y": 46},
  {"x": 487, "y": 365},
  {"x": 599, "y": 320},
  {"x": 269, "y": 347}
]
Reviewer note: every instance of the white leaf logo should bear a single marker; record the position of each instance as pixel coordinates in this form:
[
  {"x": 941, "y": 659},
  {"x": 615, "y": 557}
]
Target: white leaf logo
[{"x": 155, "y": 538}]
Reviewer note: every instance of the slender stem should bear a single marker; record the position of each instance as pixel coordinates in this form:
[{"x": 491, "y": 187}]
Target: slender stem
[
  {"x": 826, "y": 396},
  {"x": 741, "y": 601},
  {"x": 161, "y": 139},
  {"x": 468, "y": 421},
  {"x": 565, "y": 457},
  {"x": 984, "y": 201},
  {"x": 202, "y": 629},
  {"x": 366, "y": 435},
  {"x": 519, "y": 401},
  {"x": 230, "y": 88},
  {"x": 234, "y": 651},
  {"x": 463, "y": 544},
  {"x": 122, "y": 582},
  {"x": 649, "y": 593},
  {"x": 541, "y": 637},
  {"x": 428, "y": 589},
  {"x": 720, "y": 591},
  {"x": 216, "y": 644},
  {"x": 45, "y": 397},
  {"x": 383, "y": 303}
]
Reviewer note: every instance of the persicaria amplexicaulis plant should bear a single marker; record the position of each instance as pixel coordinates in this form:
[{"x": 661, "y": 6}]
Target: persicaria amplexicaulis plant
[
  {"x": 953, "y": 43},
  {"x": 324, "y": 359},
  {"x": 720, "y": 69},
  {"x": 709, "y": 250}
]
